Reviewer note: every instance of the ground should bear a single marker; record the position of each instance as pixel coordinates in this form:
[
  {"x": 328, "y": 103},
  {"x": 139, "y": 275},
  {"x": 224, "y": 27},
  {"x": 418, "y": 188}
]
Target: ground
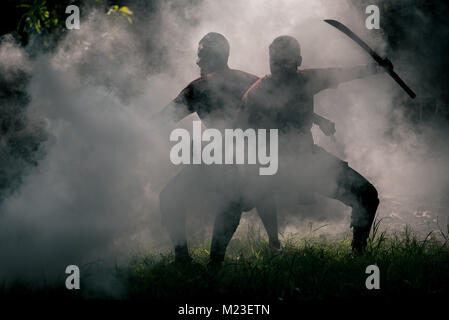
[{"x": 309, "y": 269}]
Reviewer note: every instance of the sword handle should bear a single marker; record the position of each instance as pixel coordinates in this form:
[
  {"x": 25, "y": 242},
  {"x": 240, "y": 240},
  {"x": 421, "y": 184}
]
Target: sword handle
[
  {"x": 388, "y": 66},
  {"x": 401, "y": 83},
  {"x": 390, "y": 71}
]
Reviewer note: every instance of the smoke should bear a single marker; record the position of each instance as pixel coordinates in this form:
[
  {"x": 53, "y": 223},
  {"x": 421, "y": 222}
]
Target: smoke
[{"x": 94, "y": 194}]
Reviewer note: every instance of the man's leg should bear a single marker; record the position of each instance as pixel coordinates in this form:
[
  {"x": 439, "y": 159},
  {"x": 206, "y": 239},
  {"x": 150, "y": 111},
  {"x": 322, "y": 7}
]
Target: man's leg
[
  {"x": 355, "y": 191},
  {"x": 225, "y": 225},
  {"x": 174, "y": 202},
  {"x": 358, "y": 193},
  {"x": 256, "y": 191},
  {"x": 266, "y": 208}
]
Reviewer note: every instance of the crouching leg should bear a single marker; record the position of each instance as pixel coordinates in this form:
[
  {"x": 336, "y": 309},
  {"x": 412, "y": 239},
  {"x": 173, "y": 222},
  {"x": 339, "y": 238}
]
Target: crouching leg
[
  {"x": 267, "y": 211},
  {"x": 225, "y": 225},
  {"x": 363, "y": 214},
  {"x": 174, "y": 220},
  {"x": 358, "y": 193}
]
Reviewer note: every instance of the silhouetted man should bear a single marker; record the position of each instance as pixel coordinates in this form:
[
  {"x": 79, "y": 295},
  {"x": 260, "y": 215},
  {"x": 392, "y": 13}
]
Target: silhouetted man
[
  {"x": 284, "y": 100},
  {"x": 215, "y": 97}
]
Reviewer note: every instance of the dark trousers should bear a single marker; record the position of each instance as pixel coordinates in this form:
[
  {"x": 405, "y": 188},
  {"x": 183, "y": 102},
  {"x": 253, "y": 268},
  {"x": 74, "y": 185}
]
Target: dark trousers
[
  {"x": 319, "y": 172},
  {"x": 225, "y": 192}
]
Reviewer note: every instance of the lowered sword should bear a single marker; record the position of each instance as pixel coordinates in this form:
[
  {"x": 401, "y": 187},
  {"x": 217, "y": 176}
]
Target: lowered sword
[{"x": 372, "y": 53}]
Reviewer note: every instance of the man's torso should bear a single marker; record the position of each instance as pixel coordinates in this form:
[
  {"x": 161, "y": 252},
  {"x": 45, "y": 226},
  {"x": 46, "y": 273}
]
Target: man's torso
[{"x": 216, "y": 96}]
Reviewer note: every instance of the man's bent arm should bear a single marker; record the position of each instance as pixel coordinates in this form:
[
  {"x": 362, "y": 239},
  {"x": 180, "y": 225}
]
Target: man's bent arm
[
  {"x": 171, "y": 114},
  {"x": 177, "y": 109}
]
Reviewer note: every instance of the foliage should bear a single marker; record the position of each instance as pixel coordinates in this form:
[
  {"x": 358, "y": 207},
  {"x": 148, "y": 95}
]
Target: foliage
[
  {"x": 121, "y": 12},
  {"x": 43, "y": 21},
  {"x": 309, "y": 268},
  {"x": 37, "y": 18}
]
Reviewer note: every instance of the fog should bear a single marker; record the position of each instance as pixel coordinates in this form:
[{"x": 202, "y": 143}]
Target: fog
[{"x": 93, "y": 197}]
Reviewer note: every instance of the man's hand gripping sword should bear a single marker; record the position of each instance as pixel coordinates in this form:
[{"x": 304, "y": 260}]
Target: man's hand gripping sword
[{"x": 381, "y": 61}]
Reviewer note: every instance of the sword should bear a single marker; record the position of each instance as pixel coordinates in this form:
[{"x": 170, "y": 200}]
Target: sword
[{"x": 372, "y": 53}]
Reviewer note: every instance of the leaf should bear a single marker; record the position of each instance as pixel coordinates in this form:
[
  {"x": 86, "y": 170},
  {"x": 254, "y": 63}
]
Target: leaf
[{"x": 126, "y": 10}]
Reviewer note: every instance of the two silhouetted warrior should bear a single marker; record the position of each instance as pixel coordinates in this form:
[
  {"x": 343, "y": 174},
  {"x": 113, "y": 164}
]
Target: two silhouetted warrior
[{"x": 282, "y": 100}]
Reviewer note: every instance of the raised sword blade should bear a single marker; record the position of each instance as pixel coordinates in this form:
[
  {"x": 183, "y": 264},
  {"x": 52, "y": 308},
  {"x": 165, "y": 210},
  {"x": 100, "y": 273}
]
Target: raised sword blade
[{"x": 372, "y": 53}]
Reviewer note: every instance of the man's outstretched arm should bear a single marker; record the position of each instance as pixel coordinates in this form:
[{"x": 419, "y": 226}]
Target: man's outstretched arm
[
  {"x": 340, "y": 75},
  {"x": 332, "y": 77}
]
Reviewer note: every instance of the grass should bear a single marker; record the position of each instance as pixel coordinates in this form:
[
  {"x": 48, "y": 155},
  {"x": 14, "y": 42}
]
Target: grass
[{"x": 308, "y": 269}]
